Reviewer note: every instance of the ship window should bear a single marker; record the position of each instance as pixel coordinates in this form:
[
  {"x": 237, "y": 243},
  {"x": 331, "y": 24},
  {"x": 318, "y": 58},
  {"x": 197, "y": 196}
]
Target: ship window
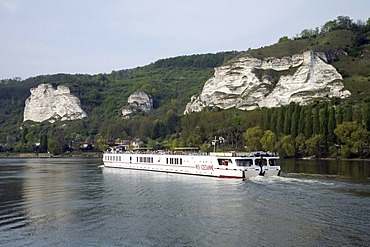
[
  {"x": 258, "y": 161},
  {"x": 244, "y": 162},
  {"x": 166, "y": 160},
  {"x": 180, "y": 161},
  {"x": 223, "y": 162},
  {"x": 151, "y": 160}
]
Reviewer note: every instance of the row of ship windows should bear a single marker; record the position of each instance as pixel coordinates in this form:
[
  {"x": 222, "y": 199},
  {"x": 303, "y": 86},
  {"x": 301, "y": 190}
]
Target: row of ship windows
[
  {"x": 175, "y": 161},
  {"x": 113, "y": 158},
  {"x": 144, "y": 159}
]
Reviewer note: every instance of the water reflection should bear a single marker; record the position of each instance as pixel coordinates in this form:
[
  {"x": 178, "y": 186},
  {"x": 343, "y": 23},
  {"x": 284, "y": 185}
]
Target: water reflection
[
  {"x": 62, "y": 202},
  {"x": 47, "y": 195},
  {"x": 349, "y": 170}
]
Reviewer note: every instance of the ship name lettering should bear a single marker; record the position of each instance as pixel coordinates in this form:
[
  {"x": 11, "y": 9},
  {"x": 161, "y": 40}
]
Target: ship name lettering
[{"x": 207, "y": 167}]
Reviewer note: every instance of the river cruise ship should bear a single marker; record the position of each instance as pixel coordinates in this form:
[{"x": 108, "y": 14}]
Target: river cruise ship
[{"x": 214, "y": 164}]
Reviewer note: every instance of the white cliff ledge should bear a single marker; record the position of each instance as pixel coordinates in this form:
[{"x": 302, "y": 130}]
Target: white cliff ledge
[
  {"x": 138, "y": 102},
  {"x": 47, "y": 103},
  {"x": 237, "y": 84}
]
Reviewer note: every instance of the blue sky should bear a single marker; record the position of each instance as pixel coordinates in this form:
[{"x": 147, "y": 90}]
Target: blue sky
[{"x": 95, "y": 36}]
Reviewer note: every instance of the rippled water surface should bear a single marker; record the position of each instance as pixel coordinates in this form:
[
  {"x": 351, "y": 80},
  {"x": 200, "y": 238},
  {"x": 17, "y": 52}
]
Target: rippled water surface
[{"x": 72, "y": 202}]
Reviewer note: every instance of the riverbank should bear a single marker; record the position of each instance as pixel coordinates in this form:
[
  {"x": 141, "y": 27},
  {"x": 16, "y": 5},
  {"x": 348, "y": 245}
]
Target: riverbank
[{"x": 49, "y": 155}]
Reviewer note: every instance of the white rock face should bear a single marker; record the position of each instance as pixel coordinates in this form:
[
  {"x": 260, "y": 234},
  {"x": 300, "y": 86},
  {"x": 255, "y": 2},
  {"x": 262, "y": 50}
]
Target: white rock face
[
  {"x": 237, "y": 85},
  {"x": 138, "y": 101},
  {"x": 47, "y": 103}
]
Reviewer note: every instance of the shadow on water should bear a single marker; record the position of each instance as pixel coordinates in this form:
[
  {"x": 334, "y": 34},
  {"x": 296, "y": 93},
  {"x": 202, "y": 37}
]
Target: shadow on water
[{"x": 355, "y": 171}]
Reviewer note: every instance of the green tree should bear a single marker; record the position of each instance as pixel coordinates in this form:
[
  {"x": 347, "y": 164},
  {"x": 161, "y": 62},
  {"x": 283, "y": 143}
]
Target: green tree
[
  {"x": 288, "y": 119},
  {"x": 305, "y": 34},
  {"x": 43, "y": 142},
  {"x": 329, "y": 26},
  {"x": 171, "y": 121},
  {"x": 287, "y": 145},
  {"x": 280, "y": 121},
  {"x": 193, "y": 140},
  {"x": 300, "y": 144},
  {"x": 353, "y": 137},
  {"x": 331, "y": 126},
  {"x": 348, "y": 114},
  {"x": 268, "y": 141},
  {"x": 314, "y": 145},
  {"x": 344, "y": 22},
  {"x": 295, "y": 121},
  {"x": 339, "y": 115},
  {"x": 274, "y": 116},
  {"x": 54, "y": 147},
  {"x": 301, "y": 122},
  {"x": 205, "y": 147},
  {"x": 367, "y": 115},
  {"x": 316, "y": 120},
  {"x": 146, "y": 128},
  {"x": 159, "y": 129},
  {"x": 177, "y": 143},
  {"x": 101, "y": 145},
  {"x": 24, "y": 134},
  {"x": 252, "y": 137},
  {"x": 308, "y": 130},
  {"x": 324, "y": 116},
  {"x": 283, "y": 39}
]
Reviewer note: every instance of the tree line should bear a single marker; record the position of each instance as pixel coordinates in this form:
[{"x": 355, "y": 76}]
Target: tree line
[
  {"x": 360, "y": 28},
  {"x": 294, "y": 130}
]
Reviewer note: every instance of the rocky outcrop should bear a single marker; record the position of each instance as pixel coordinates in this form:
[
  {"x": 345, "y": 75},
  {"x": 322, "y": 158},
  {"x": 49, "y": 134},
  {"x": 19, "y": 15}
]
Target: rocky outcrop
[
  {"x": 48, "y": 103},
  {"x": 138, "y": 101},
  {"x": 249, "y": 82}
]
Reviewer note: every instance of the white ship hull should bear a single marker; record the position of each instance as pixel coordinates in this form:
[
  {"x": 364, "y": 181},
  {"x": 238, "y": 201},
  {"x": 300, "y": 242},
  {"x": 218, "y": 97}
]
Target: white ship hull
[{"x": 220, "y": 165}]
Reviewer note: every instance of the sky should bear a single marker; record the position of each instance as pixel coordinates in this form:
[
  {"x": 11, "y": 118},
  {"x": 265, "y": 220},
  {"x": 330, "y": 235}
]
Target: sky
[{"x": 39, "y": 37}]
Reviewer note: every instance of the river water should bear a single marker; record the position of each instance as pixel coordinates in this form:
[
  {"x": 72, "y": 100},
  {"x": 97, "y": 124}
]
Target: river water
[{"x": 73, "y": 202}]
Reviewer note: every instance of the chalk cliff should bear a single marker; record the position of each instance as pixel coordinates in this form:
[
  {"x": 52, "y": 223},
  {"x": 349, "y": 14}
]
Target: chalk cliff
[
  {"x": 48, "y": 103},
  {"x": 249, "y": 82},
  {"x": 138, "y": 101}
]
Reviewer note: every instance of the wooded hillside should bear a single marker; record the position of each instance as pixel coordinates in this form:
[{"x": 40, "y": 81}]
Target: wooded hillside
[{"x": 333, "y": 127}]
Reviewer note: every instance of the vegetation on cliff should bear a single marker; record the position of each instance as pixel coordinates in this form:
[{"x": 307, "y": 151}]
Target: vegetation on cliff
[{"x": 330, "y": 127}]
